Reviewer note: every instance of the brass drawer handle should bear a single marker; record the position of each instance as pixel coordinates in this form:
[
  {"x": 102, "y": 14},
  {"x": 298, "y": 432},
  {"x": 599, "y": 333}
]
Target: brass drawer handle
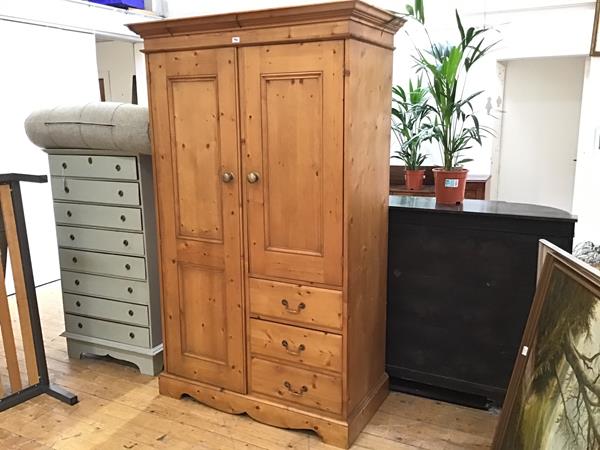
[
  {"x": 297, "y": 393},
  {"x": 296, "y": 352},
  {"x": 300, "y": 307}
]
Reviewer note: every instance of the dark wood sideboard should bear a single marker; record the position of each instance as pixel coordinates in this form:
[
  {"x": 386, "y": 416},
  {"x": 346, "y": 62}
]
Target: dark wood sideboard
[
  {"x": 477, "y": 185},
  {"x": 461, "y": 280}
]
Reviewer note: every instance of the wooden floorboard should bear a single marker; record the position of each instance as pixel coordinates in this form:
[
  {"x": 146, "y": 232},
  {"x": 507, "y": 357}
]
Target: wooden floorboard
[{"x": 121, "y": 409}]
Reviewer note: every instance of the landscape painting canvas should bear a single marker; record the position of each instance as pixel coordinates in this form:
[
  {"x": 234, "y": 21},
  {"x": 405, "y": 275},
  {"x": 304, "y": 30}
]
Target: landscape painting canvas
[{"x": 553, "y": 401}]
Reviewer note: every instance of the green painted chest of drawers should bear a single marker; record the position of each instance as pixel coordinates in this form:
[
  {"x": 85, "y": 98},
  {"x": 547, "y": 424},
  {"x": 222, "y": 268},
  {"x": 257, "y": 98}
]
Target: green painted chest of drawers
[{"x": 105, "y": 226}]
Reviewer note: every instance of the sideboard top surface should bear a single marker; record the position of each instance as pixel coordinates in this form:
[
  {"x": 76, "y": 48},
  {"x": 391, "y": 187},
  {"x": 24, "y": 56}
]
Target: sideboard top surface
[{"x": 482, "y": 207}]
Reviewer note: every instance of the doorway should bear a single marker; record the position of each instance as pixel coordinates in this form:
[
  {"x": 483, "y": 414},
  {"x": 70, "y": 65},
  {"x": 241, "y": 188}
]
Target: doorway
[{"x": 540, "y": 127}]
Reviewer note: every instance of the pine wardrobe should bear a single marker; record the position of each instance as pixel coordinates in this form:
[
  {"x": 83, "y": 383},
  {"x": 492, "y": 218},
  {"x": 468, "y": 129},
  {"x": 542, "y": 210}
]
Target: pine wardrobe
[{"x": 270, "y": 138}]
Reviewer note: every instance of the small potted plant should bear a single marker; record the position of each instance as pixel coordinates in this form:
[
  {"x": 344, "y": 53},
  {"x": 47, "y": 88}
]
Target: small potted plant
[
  {"x": 411, "y": 128},
  {"x": 454, "y": 125}
]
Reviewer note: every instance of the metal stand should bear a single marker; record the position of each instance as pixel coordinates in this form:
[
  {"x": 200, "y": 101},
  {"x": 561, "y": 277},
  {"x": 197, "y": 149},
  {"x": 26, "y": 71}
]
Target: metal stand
[{"x": 43, "y": 386}]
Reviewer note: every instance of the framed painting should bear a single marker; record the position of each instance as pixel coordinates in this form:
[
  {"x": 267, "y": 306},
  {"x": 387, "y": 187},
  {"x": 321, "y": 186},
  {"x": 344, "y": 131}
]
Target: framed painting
[
  {"x": 595, "y": 49},
  {"x": 553, "y": 399}
]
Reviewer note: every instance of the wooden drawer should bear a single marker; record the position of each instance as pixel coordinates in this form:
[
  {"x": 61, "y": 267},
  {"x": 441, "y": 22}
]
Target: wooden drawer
[
  {"x": 103, "y": 240},
  {"x": 106, "y": 309},
  {"x": 91, "y": 166},
  {"x": 128, "y": 290},
  {"x": 113, "y": 192},
  {"x": 300, "y": 345},
  {"x": 102, "y": 263},
  {"x": 98, "y": 216},
  {"x": 127, "y": 334},
  {"x": 303, "y": 387},
  {"x": 295, "y": 303}
]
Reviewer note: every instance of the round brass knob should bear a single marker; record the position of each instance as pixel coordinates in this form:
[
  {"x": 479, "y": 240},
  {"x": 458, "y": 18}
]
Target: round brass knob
[
  {"x": 227, "y": 177},
  {"x": 253, "y": 177}
]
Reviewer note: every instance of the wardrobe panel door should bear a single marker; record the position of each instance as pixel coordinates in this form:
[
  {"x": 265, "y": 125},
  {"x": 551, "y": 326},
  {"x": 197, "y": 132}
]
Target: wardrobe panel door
[
  {"x": 292, "y": 112},
  {"x": 196, "y": 158}
]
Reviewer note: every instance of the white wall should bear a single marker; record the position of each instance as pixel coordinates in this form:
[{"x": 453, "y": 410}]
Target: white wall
[
  {"x": 540, "y": 131},
  {"x": 140, "y": 70},
  {"x": 48, "y": 50},
  {"x": 586, "y": 202},
  {"x": 43, "y": 67}
]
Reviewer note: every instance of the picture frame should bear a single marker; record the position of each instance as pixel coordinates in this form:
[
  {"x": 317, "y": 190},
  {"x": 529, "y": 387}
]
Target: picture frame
[
  {"x": 553, "y": 399},
  {"x": 595, "y": 48}
]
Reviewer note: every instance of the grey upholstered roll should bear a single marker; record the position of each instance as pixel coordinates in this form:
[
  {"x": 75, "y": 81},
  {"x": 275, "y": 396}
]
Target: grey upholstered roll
[{"x": 98, "y": 125}]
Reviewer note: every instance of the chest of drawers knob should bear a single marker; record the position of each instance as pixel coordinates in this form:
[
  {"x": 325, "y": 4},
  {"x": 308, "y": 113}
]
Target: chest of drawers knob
[
  {"x": 127, "y": 267},
  {"x": 298, "y": 393},
  {"x": 78, "y": 304},
  {"x": 64, "y": 165},
  {"x": 297, "y": 310},
  {"x": 76, "y": 282},
  {"x": 126, "y": 243},
  {"x": 123, "y": 218},
  {"x": 132, "y": 335},
  {"x": 69, "y": 213},
  {"x": 118, "y": 167},
  {"x": 79, "y": 325},
  {"x": 72, "y": 237},
  {"x": 67, "y": 190},
  {"x": 130, "y": 290},
  {"x": 90, "y": 160},
  {"x": 120, "y": 193},
  {"x": 296, "y": 352},
  {"x": 130, "y": 312}
]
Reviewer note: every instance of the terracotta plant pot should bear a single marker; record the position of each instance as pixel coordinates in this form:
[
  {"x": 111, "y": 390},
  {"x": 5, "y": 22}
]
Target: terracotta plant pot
[
  {"x": 450, "y": 186},
  {"x": 414, "y": 179}
]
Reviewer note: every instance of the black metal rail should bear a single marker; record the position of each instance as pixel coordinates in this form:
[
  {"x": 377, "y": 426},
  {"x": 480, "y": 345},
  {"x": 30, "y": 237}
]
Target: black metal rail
[{"x": 43, "y": 386}]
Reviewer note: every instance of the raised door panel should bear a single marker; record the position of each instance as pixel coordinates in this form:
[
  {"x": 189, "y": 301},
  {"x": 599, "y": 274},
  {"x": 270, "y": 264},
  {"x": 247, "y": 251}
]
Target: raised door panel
[
  {"x": 195, "y": 137},
  {"x": 292, "y": 111}
]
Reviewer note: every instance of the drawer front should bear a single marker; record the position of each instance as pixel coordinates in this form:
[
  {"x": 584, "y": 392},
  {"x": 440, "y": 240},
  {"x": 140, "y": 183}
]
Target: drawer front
[
  {"x": 303, "y": 387},
  {"x": 288, "y": 343},
  {"x": 103, "y": 240},
  {"x": 98, "y": 216},
  {"x": 113, "y": 192},
  {"x": 128, "y": 290},
  {"x": 101, "y": 308},
  {"x": 102, "y": 263},
  {"x": 127, "y": 334},
  {"x": 300, "y": 304},
  {"x": 91, "y": 166}
]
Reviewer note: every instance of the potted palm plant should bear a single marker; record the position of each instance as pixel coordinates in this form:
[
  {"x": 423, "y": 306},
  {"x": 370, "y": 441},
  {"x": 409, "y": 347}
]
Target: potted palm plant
[
  {"x": 411, "y": 128},
  {"x": 455, "y": 126}
]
